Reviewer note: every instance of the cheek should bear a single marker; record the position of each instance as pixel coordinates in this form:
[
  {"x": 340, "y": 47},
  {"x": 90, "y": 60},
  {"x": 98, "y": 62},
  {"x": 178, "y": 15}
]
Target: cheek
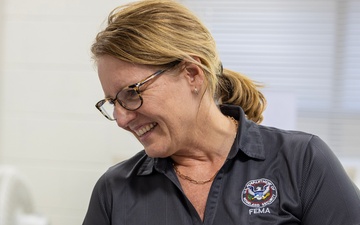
[
  {"x": 179, "y": 96},
  {"x": 165, "y": 96},
  {"x": 172, "y": 103}
]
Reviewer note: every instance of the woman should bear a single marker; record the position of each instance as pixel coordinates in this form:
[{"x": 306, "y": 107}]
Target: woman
[{"x": 206, "y": 160}]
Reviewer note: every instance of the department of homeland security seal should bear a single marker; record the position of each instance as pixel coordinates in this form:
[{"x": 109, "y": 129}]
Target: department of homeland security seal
[{"x": 259, "y": 193}]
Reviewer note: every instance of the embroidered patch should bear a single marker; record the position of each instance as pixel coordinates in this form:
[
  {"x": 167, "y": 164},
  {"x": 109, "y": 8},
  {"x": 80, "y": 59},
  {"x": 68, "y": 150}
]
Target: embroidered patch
[{"x": 259, "y": 193}]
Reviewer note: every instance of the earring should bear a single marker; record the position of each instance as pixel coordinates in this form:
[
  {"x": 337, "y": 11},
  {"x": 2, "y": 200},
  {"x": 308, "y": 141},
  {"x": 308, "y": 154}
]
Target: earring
[{"x": 196, "y": 91}]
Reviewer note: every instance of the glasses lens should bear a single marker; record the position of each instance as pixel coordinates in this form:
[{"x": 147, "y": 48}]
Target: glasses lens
[
  {"x": 106, "y": 107},
  {"x": 129, "y": 98}
]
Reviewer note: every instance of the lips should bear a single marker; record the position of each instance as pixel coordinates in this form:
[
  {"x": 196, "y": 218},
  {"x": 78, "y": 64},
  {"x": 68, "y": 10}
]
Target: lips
[{"x": 143, "y": 130}]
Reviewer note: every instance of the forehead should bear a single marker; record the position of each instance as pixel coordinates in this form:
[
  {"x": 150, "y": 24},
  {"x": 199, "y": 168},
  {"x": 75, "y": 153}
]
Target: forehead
[{"x": 115, "y": 74}]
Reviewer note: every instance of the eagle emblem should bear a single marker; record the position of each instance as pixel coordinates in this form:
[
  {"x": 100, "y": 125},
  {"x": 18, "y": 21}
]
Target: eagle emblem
[{"x": 259, "y": 193}]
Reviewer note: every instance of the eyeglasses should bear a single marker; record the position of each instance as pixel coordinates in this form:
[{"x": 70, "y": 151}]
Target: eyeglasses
[{"x": 129, "y": 97}]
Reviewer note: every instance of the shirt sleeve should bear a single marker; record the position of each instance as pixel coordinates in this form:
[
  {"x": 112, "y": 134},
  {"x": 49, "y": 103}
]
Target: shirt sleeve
[
  {"x": 99, "y": 208},
  {"x": 328, "y": 195}
]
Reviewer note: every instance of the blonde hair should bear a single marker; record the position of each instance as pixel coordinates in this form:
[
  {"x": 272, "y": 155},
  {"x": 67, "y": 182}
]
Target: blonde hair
[{"x": 158, "y": 32}]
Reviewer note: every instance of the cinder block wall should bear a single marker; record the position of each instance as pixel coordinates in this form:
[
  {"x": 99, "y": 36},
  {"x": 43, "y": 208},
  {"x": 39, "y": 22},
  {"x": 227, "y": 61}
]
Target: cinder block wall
[{"x": 50, "y": 129}]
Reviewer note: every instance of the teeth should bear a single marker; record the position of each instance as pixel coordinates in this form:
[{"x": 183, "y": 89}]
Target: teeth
[{"x": 145, "y": 129}]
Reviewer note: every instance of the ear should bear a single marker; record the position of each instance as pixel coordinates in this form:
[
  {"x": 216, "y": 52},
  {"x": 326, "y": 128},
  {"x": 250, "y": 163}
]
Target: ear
[{"x": 194, "y": 74}]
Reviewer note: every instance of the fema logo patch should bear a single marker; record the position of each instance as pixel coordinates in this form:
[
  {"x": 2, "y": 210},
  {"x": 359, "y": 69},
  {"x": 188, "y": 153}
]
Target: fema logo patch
[{"x": 259, "y": 193}]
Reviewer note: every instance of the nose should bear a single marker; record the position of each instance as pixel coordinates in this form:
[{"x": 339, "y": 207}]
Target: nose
[{"x": 123, "y": 116}]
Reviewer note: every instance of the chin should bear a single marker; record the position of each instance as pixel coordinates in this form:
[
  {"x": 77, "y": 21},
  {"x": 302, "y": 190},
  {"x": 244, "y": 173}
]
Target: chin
[{"x": 156, "y": 154}]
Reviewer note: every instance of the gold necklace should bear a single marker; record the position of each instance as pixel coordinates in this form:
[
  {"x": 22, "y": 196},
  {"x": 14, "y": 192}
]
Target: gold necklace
[
  {"x": 191, "y": 180},
  {"x": 234, "y": 121}
]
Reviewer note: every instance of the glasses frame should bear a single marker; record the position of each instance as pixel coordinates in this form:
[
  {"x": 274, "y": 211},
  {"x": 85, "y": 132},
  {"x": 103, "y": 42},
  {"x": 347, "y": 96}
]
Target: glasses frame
[{"x": 136, "y": 88}]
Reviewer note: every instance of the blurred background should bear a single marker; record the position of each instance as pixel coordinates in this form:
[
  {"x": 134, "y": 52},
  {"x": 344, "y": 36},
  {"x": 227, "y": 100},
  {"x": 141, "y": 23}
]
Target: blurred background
[{"x": 305, "y": 52}]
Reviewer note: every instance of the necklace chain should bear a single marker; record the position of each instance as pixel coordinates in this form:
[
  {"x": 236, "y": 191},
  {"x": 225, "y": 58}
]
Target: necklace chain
[
  {"x": 191, "y": 180},
  {"x": 234, "y": 121}
]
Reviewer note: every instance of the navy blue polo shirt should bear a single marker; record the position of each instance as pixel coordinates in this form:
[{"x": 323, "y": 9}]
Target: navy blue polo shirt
[{"x": 271, "y": 176}]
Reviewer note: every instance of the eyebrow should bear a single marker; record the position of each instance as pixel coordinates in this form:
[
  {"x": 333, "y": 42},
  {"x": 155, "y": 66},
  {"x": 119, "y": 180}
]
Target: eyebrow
[
  {"x": 172, "y": 64},
  {"x": 120, "y": 89}
]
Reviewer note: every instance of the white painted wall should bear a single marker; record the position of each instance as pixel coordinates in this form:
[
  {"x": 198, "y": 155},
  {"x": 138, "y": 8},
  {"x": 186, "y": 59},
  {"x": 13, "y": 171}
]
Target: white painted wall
[
  {"x": 50, "y": 129},
  {"x": 2, "y": 18}
]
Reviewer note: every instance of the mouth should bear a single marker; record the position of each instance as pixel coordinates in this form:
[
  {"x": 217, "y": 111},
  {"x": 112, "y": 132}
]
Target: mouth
[{"x": 145, "y": 129}]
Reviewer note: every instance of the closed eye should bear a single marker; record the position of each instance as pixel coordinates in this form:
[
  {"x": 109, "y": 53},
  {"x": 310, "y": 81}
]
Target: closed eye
[{"x": 128, "y": 94}]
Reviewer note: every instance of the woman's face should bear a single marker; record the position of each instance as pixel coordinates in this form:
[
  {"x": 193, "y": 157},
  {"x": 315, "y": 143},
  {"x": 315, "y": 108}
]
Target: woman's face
[{"x": 163, "y": 124}]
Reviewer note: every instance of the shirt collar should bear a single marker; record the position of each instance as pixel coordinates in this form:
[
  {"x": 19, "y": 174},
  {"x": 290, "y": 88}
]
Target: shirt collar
[{"x": 248, "y": 140}]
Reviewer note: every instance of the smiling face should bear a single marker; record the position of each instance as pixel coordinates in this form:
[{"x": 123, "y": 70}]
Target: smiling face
[{"x": 167, "y": 118}]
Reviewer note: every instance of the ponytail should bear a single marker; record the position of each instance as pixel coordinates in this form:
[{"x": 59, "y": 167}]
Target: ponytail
[
  {"x": 236, "y": 89},
  {"x": 158, "y": 32}
]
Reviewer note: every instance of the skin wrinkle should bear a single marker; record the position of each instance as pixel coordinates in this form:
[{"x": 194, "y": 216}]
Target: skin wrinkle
[{"x": 194, "y": 133}]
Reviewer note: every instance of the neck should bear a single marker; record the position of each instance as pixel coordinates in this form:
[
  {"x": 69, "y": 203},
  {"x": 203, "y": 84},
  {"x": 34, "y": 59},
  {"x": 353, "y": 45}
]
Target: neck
[{"x": 210, "y": 141}]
